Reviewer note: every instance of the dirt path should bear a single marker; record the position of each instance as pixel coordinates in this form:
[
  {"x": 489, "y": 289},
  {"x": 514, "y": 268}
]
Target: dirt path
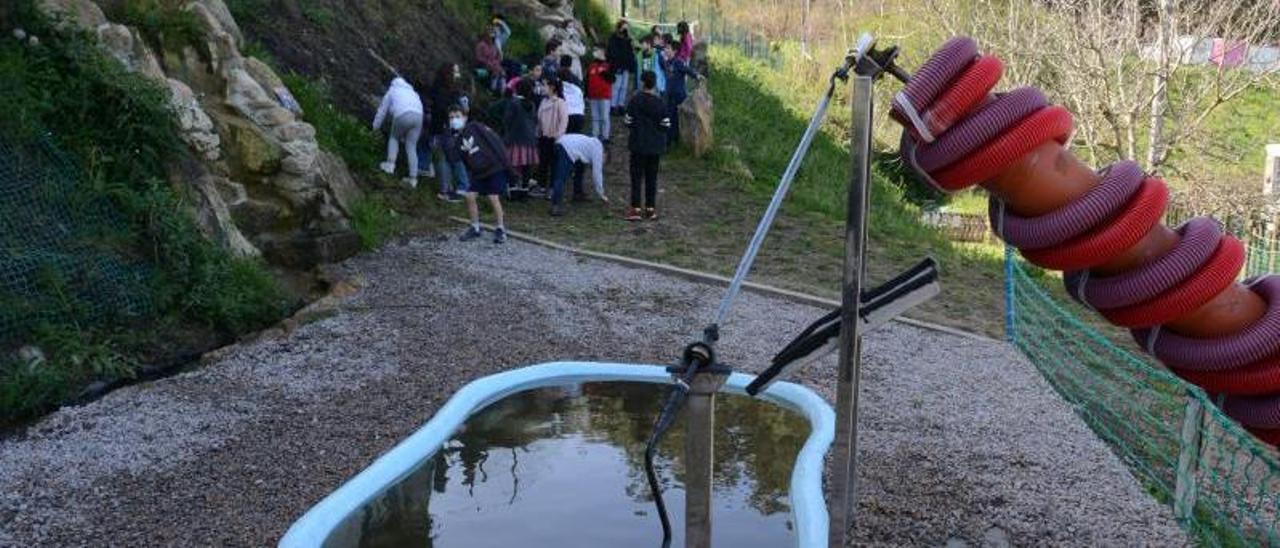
[{"x": 962, "y": 440}]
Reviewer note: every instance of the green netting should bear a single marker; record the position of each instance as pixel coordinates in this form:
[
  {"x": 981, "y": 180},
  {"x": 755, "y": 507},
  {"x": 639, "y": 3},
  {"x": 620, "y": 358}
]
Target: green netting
[
  {"x": 1223, "y": 484},
  {"x": 1264, "y": 252},
  {"x": 60, "y": 245}
]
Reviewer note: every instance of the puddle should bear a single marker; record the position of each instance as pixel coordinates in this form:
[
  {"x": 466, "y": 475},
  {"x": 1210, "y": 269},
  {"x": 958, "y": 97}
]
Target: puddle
[{"x": 563, "y": 467}]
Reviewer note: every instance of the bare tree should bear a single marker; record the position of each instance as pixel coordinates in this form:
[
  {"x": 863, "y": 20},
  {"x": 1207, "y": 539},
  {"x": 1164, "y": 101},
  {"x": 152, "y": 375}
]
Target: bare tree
[{"x": 1137, "y": 73}]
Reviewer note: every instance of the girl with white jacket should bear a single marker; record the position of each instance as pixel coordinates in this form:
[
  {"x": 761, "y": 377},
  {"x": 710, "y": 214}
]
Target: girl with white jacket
[{"x": 404, "y": 106}]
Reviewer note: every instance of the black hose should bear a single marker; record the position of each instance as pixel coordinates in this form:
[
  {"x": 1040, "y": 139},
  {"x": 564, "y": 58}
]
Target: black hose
[
  {"x": 696, "y": 356},
  {"x": 674, "y": 401}
]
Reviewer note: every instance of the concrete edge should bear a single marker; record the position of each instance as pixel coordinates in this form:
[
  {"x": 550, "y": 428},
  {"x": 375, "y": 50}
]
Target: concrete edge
[{"x": 704, "y": 277}]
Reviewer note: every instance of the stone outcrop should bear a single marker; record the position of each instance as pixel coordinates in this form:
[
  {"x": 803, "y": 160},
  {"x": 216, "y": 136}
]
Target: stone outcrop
[
  {"x": 264, "y": 187},
  {"x": 697, "y": 121}
]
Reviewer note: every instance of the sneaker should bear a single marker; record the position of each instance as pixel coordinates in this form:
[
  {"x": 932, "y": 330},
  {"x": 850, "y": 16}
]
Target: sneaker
[
  {"x": 430, "y": 172},
  {"x": 471, "y": 234},
  {"x": 538, "y": 191},
  {"x": 651, "y": 214},
  {"x": 499, "y": 235},
  {"x": 411, "y": 182},
  {"x": 557, "y": 210},
  {"x": 451, "y": 197},
  {"x": 633, "y": 214},
  {"x": 387, "y": 167}
]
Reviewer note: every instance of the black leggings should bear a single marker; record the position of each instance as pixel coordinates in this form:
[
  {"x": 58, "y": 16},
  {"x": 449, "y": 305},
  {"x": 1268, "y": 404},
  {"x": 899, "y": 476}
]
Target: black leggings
[
  {"x": 546, "y": 159},
  {"x": 577, "y": 123},
  {"x": 644, "y": 172}
]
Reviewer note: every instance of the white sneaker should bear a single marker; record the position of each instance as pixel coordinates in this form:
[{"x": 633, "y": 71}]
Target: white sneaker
[
  {"x": 387, "y": 167},
  {"x": 431, "y": 171},
  {"x": 412, "y": 182}
]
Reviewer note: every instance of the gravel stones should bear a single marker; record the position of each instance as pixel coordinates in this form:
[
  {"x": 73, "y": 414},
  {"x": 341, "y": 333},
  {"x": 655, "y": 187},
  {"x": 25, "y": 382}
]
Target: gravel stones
[{"x": 961, "y": 441}]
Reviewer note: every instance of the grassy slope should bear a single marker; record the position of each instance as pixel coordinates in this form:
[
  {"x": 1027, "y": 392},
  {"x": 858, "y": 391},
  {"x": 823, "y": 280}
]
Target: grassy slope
[
  {"x": 198, "y": 295},
  {"x": 711, "y": 207}
]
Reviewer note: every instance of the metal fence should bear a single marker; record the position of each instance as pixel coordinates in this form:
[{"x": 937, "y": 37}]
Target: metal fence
[{"x": 707, "y": 24}]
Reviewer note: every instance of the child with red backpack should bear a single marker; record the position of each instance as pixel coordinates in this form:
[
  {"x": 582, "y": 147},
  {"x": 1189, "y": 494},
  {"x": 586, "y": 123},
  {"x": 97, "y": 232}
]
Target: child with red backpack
[{"x": 600, "y": 80}]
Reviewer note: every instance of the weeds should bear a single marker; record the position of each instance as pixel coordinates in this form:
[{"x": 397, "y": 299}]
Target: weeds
[
  {"x": 336, "y": 131},
  {"x": 114, "y": 129},
  {"x": 374, "y": 221}
]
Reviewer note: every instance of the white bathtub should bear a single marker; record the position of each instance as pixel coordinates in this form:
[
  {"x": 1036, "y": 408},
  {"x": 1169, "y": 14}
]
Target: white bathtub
[{"x": 808, "y": 508}]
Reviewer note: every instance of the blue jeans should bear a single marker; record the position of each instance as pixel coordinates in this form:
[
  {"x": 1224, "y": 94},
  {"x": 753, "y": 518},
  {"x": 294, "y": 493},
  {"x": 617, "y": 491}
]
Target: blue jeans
[
  {"x": 620, "y": 89},
  {"x": 449, "y": 172},
  {"x": 673, "y": 113},
  {"x": 560, "y": 173}
]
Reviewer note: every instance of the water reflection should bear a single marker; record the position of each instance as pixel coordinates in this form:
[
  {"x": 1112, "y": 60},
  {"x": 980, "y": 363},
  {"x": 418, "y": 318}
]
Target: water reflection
[{"x": 563, "y": 467}]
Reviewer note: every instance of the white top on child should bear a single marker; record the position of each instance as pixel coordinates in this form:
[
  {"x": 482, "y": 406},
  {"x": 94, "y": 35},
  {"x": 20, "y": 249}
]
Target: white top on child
[
  {"x": 400, "y": 99},
  {"x": 573, "y": 99},
  {"x": 588, "y": 150}
]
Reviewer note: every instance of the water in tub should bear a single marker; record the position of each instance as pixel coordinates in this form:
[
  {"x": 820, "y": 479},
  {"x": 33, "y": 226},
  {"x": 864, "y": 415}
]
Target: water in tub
[{"x": 563, "y": 467}]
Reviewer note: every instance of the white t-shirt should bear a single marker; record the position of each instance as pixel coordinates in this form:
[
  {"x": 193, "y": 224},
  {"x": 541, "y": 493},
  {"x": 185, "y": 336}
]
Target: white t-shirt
[
  {"x": 588, "y": 150},
  {"x": 573, "y": 99}
]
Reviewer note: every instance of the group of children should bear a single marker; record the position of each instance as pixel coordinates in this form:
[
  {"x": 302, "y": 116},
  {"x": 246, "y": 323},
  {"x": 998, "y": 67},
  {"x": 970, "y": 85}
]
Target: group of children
[{"x": 538, "y": 131}]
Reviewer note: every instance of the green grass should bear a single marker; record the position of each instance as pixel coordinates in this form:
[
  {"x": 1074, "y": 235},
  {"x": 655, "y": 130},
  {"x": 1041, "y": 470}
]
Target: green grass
[
  {"x": 117, "y": 160},
  {"x": 162, "y": 23},
  {"x": 375, "y": 221},
  {"x": 336, "y": 131},
  {"x": 711, "y": 206}
]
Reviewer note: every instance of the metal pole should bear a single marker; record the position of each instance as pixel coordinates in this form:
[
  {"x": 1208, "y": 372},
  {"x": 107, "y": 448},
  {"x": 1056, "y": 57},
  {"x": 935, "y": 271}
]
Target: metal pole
[
  {"x": 699, "y": 454},
  {"x": 844, "y": 476}
]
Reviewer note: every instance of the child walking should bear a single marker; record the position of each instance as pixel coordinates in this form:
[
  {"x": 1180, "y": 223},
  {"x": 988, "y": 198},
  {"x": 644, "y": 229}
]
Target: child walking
[{"x": 486, "y": 161}]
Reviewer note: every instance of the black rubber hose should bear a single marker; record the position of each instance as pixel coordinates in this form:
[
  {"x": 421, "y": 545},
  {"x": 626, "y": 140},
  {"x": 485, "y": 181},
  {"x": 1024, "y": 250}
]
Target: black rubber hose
[{"x": 668, "y": 417}]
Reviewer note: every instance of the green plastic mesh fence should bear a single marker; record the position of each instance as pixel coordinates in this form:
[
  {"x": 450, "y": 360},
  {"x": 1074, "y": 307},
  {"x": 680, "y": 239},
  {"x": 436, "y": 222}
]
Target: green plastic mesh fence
[
  {"x": 61, "y": 257},
  {"x": 1223, "y": 484}
]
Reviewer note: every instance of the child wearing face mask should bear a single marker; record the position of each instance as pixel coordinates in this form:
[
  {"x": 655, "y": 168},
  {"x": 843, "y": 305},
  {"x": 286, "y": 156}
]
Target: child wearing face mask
[
  {"x": 447, "y": 91},
  {"x": 486, "y": 160}
]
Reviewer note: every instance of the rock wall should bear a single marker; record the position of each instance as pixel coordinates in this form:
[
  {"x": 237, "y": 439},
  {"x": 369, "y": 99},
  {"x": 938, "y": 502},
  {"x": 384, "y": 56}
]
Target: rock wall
[{"x": 259, "y": 185}]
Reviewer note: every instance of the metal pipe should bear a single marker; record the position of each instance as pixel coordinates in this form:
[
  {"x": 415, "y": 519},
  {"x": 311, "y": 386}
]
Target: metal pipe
[
  {"x": 797, "y": 158},
  {"x": 844, "y": 476},
  {"x": 699, "y": 454}
]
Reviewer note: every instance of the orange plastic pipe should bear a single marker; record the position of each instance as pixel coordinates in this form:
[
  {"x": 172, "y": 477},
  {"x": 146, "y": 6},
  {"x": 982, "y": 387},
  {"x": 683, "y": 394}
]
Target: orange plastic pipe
[{"x": 1050, "y": 176}]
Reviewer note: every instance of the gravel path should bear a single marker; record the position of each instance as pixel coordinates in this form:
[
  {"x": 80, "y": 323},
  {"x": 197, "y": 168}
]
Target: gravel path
[{"x": 962, "y": 442}]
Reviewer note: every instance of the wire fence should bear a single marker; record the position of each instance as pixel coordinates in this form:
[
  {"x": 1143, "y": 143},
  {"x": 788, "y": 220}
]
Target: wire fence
[
  {"x": 708, "y": 26},
  {"x": 60, "y": 258},
  {"x": 1223, "y": 484}
]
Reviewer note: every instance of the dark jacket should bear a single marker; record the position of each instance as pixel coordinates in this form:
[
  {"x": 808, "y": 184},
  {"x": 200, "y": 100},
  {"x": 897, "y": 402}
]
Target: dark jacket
[
  {"x": 520, "y": 122},
  {"x": 621, "y": 53},
  {"x": 647, "y": 118},
  {"x": 482, "y": 150},
  {"x": 677, "y": 70},
  {"x": 441, "y": 99}
]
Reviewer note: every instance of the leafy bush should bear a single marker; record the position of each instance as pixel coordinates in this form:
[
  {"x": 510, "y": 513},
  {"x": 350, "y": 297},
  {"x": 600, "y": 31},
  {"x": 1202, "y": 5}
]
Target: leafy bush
[
  {"x": 163, "y": 23},
  {"x": 118, "y": 130},
  {"x": 595, "y": 17}
]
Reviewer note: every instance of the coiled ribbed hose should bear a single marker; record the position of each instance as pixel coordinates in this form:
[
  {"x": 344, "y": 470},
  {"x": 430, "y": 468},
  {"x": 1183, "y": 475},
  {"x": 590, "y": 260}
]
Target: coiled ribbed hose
[{"x": 958, "y": 134}]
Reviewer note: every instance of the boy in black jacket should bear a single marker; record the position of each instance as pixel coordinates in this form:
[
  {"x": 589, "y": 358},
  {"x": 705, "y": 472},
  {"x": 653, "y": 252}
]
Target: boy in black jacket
[
  {"x": 486, "y": 160},
  {"x": 647, "y": 118}
]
